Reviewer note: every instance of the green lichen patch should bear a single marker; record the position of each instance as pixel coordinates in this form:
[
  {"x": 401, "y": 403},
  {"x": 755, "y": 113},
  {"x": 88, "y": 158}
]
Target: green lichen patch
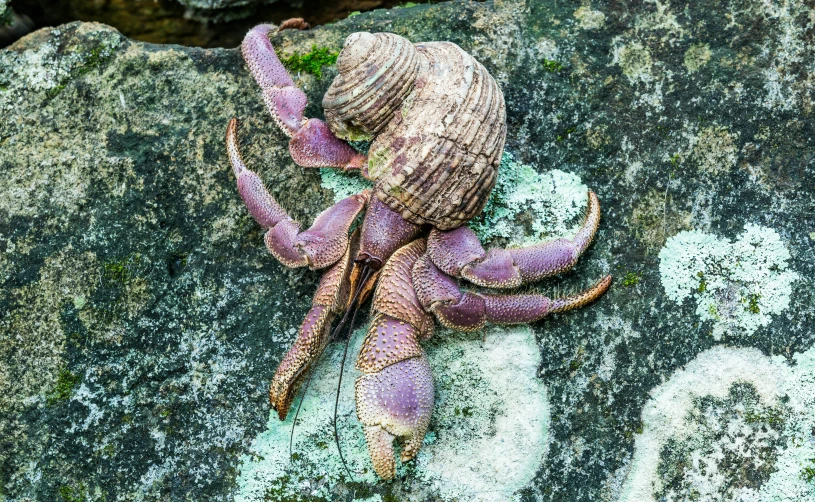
[
  {"x": 78, "y": 493},
  {"x": 121, "y": 271},
  {"x": 64, "y": 386},
  {"x": 631, "y": 279},
  {"x": 552, "y": 66},
  {"x": 696, "y": 57},
  {"x": 739, "y": 286},
  {"x": 312, "y": 62}
]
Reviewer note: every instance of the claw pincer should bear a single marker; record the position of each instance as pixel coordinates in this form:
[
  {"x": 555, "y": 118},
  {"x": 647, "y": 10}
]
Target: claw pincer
[{"x": 394, "y": 396}]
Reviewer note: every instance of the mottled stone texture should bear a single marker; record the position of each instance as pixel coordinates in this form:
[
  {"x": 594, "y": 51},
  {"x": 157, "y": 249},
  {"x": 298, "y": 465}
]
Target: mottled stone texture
[{"x": 141, "y": 316}]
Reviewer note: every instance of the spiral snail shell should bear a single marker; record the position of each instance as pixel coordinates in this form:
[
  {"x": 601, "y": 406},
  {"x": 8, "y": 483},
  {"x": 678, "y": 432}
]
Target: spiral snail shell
[{"x": 437, "y": 119}]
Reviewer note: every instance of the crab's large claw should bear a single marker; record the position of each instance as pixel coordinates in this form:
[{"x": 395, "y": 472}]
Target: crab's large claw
[
  {"x": 394, "y": 396},
  {"x": 312, "y": 143},
  {"x": 395, "y": 403}
]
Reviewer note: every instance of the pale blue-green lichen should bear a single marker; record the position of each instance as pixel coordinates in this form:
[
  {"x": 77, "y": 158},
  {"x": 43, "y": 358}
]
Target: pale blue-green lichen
[
  {"x": 785, "y": 393},
  {"x": 343, "y": 184},
  {"x": 551, "y": 202},
  {"x": 589, "y": 19},
  {"x": 739, "y": 286},
  {"x": 487, "y": 399}
]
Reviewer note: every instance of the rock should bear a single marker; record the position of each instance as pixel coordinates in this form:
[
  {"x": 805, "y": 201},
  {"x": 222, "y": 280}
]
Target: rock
[
  {"x": 12, "y": 24},
  {"x": 142, "y": 318}
]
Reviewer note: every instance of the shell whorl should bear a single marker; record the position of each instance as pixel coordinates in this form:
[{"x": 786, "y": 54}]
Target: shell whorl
[
  {"x": 437, "y": 161},
  {"x": 376, "y": 72}
]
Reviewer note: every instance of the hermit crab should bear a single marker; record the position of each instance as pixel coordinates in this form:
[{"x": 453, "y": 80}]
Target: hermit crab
[{"x": 436, "y": 120}]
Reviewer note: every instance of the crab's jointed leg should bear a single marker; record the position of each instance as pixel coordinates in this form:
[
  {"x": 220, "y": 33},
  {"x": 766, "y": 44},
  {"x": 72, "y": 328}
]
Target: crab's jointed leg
[
  {"x": 319, "y": 246},
  {"x": 312, "y": 143},
  {"x": 329, "y": 300},
  {"x": 459, "y": 253},
  {"x": 469, "y": 311}
]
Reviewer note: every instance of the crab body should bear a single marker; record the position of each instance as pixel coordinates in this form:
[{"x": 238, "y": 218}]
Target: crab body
[{"x": 436, "y": 120}]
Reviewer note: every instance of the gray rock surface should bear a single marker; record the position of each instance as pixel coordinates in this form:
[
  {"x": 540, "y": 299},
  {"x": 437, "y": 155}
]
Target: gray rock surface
[{"x": 141, "y": 317}]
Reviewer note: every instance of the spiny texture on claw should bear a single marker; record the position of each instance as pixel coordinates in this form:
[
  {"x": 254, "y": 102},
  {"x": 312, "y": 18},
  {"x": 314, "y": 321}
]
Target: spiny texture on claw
[
  {"x": 330, "y": 298},
  {"x": 395, "y": 403},
  {"x": 261, "y": 205},
  {"x": 319, "y": 246},
  {"x": 468, "y": 311},
  {"x": 394, "y": 395}
]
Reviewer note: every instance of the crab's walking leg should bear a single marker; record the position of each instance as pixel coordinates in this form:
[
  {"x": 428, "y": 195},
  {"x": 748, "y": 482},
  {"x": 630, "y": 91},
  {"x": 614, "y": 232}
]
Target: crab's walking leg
[
  {"x": 459, "y": 253},
  {"x": 312, "y": 143},
  {"x": 319, "y": 246},
  {"x": 329, "y": 300},
  {"x": 394, "y": 396},
  {"x": 467, "y": 310}
]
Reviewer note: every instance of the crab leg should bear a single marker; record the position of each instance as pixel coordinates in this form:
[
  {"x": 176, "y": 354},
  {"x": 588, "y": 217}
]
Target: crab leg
[
  {"x": 469, "y": 311},
  {"x": 329, "y": 300},
  {"x": 319, "y": 246},
  {"x": 394, "y": 396},
  {"x": 459, "y": 253},
  {"x": 312, "y": 143}
]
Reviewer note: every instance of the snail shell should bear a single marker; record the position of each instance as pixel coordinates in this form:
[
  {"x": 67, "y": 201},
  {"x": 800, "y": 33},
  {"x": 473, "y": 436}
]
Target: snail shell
[
  {"x": 376, "y": 72},
  {"x": 438, "y": 121}
]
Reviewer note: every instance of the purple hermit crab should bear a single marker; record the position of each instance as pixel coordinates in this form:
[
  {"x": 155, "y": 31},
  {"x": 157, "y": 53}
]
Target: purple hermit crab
[{"x": 437, "y": 123}]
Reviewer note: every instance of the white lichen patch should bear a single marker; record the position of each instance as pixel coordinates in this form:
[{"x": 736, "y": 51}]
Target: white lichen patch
[
  {"x": 547, "y": 48},
  {"x": 739, "y": 285},
  {"x": 714, "y": 150},
  {"x": 589, "y": 19},
  {"x": 527, "y": 207},
  {"x": 488, "y": 399},
  {"x": 696, "y": 57},
  {"x": 634, "y": 59},
  {"x": 758, "y": 447}
]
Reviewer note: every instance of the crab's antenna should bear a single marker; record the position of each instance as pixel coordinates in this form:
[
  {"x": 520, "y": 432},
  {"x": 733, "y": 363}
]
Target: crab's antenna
[
  {"x": 297, "y": 412},
  {"x": 337, "y": 396},
  {"x": 365, "y": 274}
]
